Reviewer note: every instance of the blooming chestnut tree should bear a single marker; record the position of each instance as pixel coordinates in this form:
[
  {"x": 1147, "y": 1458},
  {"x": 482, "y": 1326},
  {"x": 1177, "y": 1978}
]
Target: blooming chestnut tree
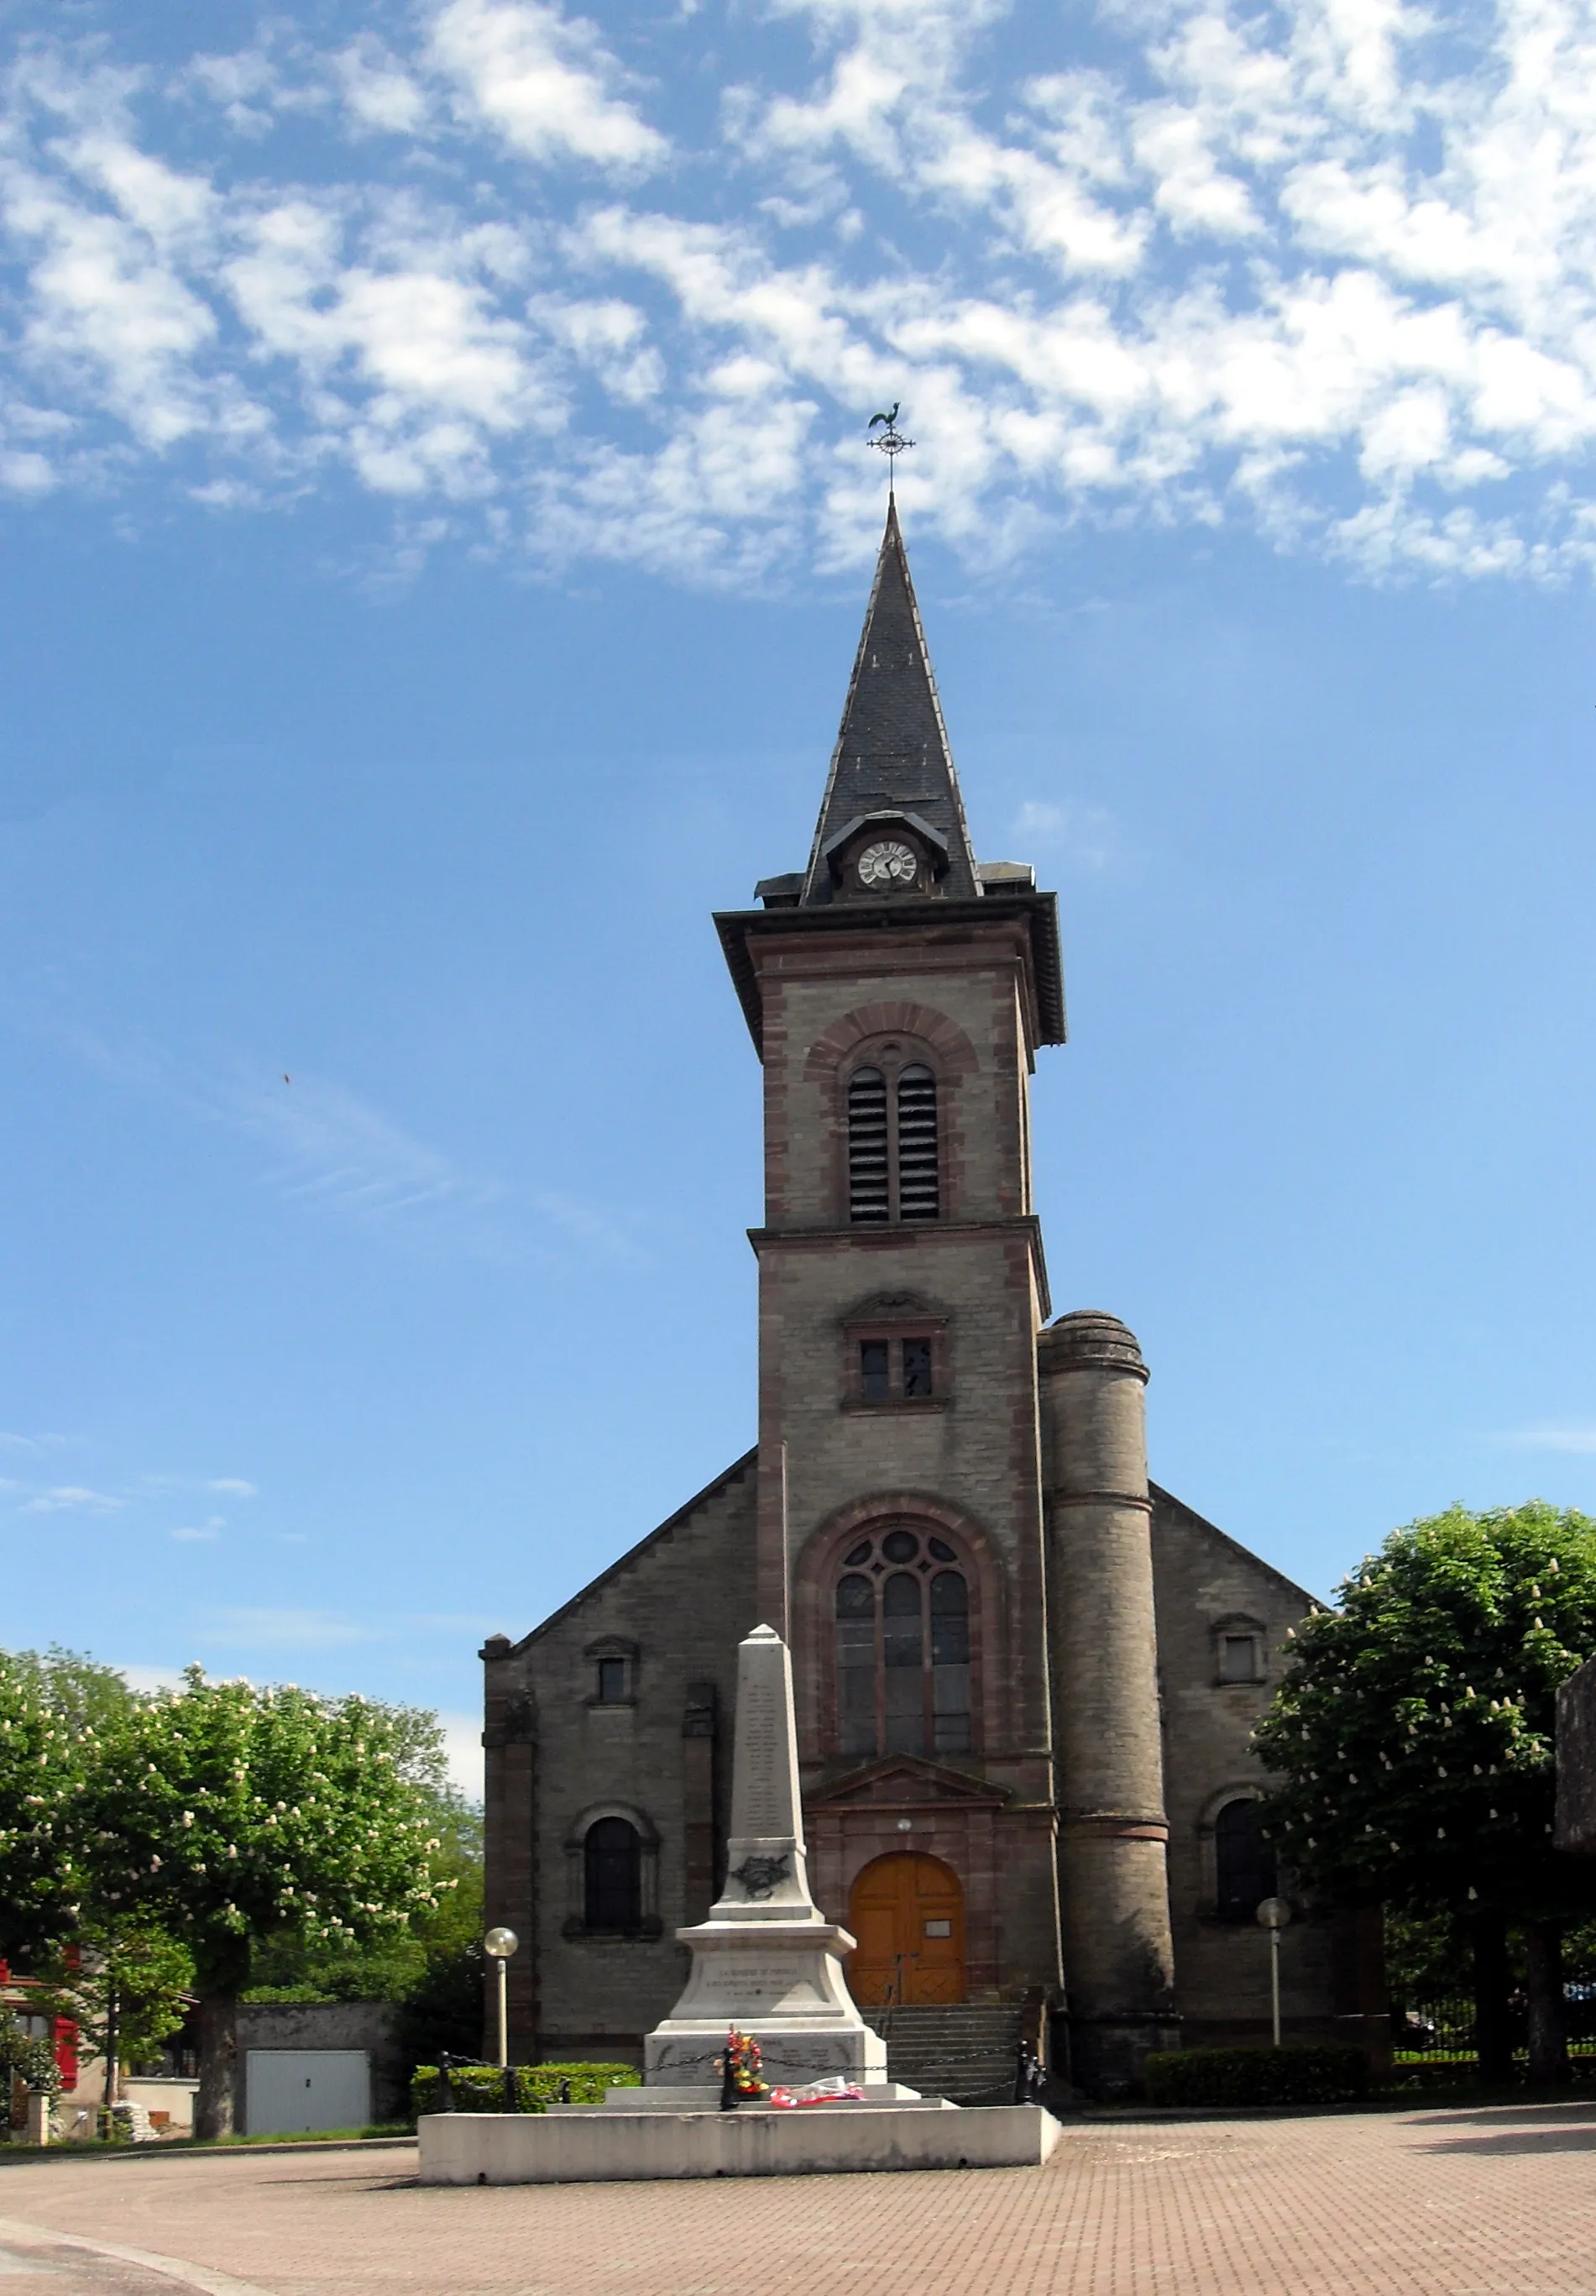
[
  {"x": 227, "y": 1812},
  {"x": 1412, "y": 1743},
  {"x": 43, "y": 1761}
]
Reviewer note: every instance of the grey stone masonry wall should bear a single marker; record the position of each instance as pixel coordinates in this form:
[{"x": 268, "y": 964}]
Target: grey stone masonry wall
[
  {"x": 1331, "y": 1980},
  {"x": 558, "y": 1758},
  {"x": 957, "y": 998}
]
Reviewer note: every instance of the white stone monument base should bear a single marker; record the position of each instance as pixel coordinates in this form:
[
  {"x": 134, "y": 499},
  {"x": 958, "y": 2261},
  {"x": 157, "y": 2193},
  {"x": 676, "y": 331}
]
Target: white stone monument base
[
  {"x": 779, "y": 1979},
  {"x": 593, "y": 2144}
]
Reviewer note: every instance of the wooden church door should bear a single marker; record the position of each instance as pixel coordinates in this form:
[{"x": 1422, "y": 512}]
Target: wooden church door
[{"x": 907, "y": 1913}]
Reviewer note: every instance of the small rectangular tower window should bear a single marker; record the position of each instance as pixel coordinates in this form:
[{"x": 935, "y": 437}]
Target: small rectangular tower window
[
  {"x": 875, "y": 1372},
  {"x": 612, "y": 1682},
  {"x": 1238, "y": 1658},
  {"x": 917, "y": 1369}
]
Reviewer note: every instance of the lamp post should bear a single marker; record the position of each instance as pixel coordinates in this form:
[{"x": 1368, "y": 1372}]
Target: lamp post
[
  {"x": 501, "y": 1944},
  {"x": 1273, "y": 1913}
]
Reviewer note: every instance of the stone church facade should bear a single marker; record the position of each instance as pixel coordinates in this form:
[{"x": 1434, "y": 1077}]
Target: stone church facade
[{"x": 1026, "y": 1675}]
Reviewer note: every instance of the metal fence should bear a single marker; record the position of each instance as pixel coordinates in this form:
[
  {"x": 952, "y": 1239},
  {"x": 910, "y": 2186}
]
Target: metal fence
[{"x": 1437, "y": 2031}]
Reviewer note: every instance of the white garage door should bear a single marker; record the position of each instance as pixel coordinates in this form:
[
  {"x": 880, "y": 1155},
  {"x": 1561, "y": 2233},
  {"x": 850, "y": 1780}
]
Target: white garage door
[{"x": 290, "y": 2090}]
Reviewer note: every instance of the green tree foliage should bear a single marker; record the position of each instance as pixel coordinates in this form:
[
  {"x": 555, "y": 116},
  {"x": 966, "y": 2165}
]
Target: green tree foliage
[
  {"x": 44, "y": 1756},
  {"x": 1412, "y": 1738},
  {"x": 31, "y": 2061},
  {"x": 311, "y": 1844},
  {"x": 1411, "y": 1742},
  {"x": 126, "y": 1985},
  {"x": 83, "y": 1692},
  {"x": 434, "y": 1969},
  {"x": 228, "y": 1812}
]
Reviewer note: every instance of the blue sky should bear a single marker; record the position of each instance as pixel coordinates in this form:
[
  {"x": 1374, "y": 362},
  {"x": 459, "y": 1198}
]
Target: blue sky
[{"x": 436, "y": 525}]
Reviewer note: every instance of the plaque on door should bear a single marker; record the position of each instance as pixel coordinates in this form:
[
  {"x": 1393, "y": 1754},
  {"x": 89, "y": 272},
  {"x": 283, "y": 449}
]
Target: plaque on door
[{"x": 940, "y": 1929}]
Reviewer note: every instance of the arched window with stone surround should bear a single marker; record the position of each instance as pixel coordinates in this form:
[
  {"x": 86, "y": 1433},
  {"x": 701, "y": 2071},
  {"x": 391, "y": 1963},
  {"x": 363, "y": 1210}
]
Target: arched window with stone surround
[
  {"x": 1244, "y": 1867},
  {"x": 903, "y": 1649},
  {"x": 894, "y": 1152},
  {"x": 612, "y": 1876}
]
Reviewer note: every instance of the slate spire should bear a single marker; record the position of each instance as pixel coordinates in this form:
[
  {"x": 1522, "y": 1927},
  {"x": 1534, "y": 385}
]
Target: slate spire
[{"x": 892, "y": 755}]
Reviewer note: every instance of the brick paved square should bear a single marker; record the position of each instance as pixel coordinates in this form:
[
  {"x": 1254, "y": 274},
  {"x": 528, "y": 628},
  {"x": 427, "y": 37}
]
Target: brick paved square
[{"x": 1493, "y": 2202}]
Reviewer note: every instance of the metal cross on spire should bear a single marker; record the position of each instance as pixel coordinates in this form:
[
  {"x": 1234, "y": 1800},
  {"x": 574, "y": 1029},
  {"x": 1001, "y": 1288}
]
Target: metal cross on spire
[{"x": 891, "y": 443}]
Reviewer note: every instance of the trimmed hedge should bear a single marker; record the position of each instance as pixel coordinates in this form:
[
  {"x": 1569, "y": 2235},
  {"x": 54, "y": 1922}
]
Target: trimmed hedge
[
  {"x": 1330, "y": 2075},
  {"x": 481, "y": 2089}
]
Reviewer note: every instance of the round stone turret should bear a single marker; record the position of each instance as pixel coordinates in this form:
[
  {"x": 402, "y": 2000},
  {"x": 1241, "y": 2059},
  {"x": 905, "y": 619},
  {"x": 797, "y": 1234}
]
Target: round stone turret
[
  {"x": 1113, "y": 1889},
  {"x": 1089, "y": 1335}
]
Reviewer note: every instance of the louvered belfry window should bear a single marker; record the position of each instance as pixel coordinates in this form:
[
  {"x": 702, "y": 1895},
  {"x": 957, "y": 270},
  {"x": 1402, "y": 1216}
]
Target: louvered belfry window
[
  {"x": 868, "y": 1191},
  {"x": 892, "y": 1164},
  {"x": 917, "y": 1144}
]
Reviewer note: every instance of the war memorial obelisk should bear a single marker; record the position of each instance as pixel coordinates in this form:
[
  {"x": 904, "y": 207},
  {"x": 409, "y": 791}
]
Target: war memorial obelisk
[{"x": 766, "y": 1960}]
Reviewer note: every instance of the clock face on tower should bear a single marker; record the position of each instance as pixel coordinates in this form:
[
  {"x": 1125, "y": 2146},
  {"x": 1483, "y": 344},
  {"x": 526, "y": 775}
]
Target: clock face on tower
[{"x": 888, "y": 864}]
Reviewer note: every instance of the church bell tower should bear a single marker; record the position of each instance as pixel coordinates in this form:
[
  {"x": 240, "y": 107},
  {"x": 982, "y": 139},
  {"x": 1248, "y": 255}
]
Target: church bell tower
[{"x": 911, "y": 1543}]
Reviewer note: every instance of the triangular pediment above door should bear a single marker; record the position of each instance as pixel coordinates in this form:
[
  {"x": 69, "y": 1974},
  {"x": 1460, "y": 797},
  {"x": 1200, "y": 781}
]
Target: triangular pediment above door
[{"x": 905, "y": 1779}]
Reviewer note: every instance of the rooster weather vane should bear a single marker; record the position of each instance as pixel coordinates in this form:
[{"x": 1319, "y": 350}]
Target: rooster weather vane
[{"x": 891, "y": 441}]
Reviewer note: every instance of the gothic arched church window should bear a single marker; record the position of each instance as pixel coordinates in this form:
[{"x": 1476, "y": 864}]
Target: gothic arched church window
[
  {"x": 612, "y": 1862},
  {"x": 903, "y": 1647},
  {"x": 894, "y": 1162}
]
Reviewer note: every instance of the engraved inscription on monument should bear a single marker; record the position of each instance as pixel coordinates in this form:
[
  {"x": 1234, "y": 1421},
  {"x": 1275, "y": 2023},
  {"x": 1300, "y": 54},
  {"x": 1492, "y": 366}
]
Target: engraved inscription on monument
[{"x": 758, "y": 1750}]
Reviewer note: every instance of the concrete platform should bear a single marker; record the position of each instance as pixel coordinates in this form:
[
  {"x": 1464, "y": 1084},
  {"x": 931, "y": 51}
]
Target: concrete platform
[
  {"x": 597, "y": 2145},
  {"x": 706, "y": 2098}
]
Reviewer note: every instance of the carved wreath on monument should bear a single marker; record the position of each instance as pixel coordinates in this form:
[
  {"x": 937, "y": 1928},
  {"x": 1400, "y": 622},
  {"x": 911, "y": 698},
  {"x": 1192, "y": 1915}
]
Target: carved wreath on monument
[{"x": 760, "y": 1875}]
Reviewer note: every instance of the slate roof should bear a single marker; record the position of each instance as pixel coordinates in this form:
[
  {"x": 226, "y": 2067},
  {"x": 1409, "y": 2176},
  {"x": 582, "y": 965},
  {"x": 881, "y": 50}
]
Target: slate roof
[
  {"x": 892, "y": 750},
  {"x": 892, "y": 757}
]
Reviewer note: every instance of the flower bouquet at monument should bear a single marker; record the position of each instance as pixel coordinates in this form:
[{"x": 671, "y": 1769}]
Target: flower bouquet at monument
[
  {"x": 739, "y": 2068},
  {"x": 832, "y": 2091}
]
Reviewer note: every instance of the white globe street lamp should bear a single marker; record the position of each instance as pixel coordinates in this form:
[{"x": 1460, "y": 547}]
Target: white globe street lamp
[
  {"x": 1273, "y": 1913},
  {"x": 500, "y": 1944}
]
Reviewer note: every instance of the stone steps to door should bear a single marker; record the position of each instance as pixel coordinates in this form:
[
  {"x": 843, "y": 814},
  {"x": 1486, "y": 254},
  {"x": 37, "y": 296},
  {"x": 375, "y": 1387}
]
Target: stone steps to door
[{"x": 967, "y": 2052}]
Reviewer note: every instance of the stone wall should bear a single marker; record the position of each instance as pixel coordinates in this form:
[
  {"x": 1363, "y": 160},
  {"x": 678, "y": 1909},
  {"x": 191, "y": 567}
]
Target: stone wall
[
  {"x": 1331, "y": 1977},
  {"x": 558, "y": 1758},
  {"x": 964, "y": 1465}
]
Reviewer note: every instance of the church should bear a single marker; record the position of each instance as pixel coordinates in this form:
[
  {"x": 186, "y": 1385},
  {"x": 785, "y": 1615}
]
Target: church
[{"x": 1026, "y": 1675}]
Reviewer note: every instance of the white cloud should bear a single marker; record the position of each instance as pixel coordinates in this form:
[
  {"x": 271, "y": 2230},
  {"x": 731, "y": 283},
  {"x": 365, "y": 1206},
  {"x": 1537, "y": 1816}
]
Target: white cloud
[
  {"x": 462, "y": 1750},
  {"x": 234, "y": 1487},
  {"x": 238, "y": 1629},
  {"x": 1081, "y": 833},
  {"x": 334, "y": 1148},
  {"x": 544, "y": 81},
  {"x": 378, "y": 90},
  {"x": 211, "y": 1528},
  {"x": 72, "y": 1498},
  {"x": 1580, "y": 1440},
  {"x": 1309, "y": 271},
  {"x": 585, "y": 1223},
  {"x": 151, "y": 1678}
]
